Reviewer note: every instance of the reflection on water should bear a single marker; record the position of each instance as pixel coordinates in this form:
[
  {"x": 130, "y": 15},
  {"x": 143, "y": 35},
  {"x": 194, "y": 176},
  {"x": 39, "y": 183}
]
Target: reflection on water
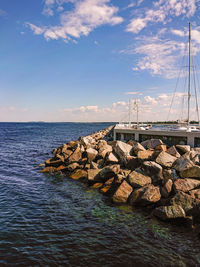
[{"x": 55, "y": 221}]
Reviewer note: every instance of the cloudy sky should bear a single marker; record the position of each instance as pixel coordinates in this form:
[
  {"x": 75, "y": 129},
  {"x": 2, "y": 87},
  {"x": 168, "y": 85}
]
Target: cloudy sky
[{"x": 82, "y": 60}]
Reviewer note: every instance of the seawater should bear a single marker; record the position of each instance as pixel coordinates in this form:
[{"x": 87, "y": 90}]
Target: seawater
[{"x": 50, "y": 220}]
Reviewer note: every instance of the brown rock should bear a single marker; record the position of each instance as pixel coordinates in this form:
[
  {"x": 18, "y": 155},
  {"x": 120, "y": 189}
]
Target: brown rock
[
  {"x": 73, "y": 166},
  {"x": 132, "y": 163},
  {"x": 137, "y": 179},
  {"x": 172, "y": 151},
  {"x": 148, "y": 194},
  {"x": 109, "y": 171},
  {"x": 97, "y": 185},
  {"x": 79, "y": 174},
  {"x": 122, "y": 193},
  {"x": 93, "y": 174},
  {"x": 76, "y": 156},
  {"x": 186, "y": 185},
  {"x": 154, "y": 170},
  {"x": 61, "y": 168},
  {"x": 49, "y": 170},
  {"x": 170, "y": 174},
  {"x": 91, "y": 154},
  {"x": 152, "y": 143},
  {"x": 161, "y": 148},
  {"x": 93, "y": 165},
  {"x": 67, "y": 154},
  {"x": 187, "y": 202},
  {"x": 104, "y": 150},
  {"x": 165, "y": 159},
  {"x": 109, "y": 181},
  {"x": 145, "y": 155},
  {"x": 136, "y": 146},
  {"x": 192, "y": 172},
  {"x": 183, "y": 148},
  {"x": 53, "y": 163},
  {"x": 195, "y": 193},
  {"x": 105, "y": 189},
  {"x": 169, "y": 212},
  {"x": 111, "y": 158},
  {"x": 166, "y": 188}
]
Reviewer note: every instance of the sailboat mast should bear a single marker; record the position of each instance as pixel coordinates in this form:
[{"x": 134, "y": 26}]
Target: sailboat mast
[{"x": 189, "y": 75}]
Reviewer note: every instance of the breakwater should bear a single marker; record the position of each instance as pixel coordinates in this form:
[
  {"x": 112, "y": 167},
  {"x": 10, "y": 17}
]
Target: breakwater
[{"x": 149, "y": 175}]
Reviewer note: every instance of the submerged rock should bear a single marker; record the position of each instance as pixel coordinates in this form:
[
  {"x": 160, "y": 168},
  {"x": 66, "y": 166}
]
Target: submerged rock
[{"x": 169, "y": 212}]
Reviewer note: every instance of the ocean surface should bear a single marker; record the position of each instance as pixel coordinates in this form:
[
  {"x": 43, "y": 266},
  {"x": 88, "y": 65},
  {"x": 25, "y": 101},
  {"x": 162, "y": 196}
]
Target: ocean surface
[{"x": 55, "y": 221}]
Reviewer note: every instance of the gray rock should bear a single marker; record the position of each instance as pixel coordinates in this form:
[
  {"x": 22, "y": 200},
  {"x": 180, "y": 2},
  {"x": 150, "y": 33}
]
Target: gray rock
[
  {"x": 183, "y": 148},
  {"x": 111, "y": 158},
  {"x": 122, "y": 150},
  {"x": 154, "y": 170},
  {"x": 182, "y": 163},
  {"x": 172, "y": 151},
  {"x": 191, "y": 172},
  {"x": 91, "y": 153}
]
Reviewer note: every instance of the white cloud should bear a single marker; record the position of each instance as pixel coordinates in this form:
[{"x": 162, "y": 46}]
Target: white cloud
[
  {"x": 133, "y": 93},
  {"x": 84, "y": 18},
  {"x": 161, "y": 11},
  {"x": 178, "y": 32}
]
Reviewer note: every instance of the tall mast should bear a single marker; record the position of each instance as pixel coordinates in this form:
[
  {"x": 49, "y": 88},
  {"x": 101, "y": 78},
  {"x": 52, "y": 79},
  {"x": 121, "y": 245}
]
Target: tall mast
[{"x": 189, "y": 74}]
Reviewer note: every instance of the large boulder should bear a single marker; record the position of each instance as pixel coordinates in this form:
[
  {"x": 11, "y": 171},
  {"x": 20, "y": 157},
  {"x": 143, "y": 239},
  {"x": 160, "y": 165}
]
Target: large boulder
[
  {"x": 187, "y": 202},
  {"x": 123, "y": 192},
  {"x": 170, "y": 174},
  {"x": 109, "y": 171},
  {"x": 192, "y": 172},
  {"x": 111, "y": 158},
  {"x": 183, "y": 148},
  {"x": 91, "y": 154},
  {"x": 148, "y": 194},
  {"x": 137, "y": 179},
  {"x": 136, "y": 146},
  {"x": 122, "y": 150},
  {"x": 154, "y": 170},
  {"x": 145, "y": 155},
  {"x": 186, "y": 185},
  {"x": 172, "y": 151},
  {"x": 152, "y": 143},
  {"x": 79, "y": 174},
  {"x": 87, "y": 141},
  {"x": 166, "y": 188},
  {"x": 182, "y": 163},
  {"x": 165, "y": 159},
  {"x": 93, "y": 175},
  {"x": 132, "y": 163},
  {"x": 76, "y": 156},
  {"x": 104, "y": 149},
  {"x": 169, "y": 212}
]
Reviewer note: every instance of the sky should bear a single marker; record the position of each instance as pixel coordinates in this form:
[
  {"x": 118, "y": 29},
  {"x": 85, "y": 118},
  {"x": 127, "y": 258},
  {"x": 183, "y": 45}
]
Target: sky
[{"x": 86, "y": 60}]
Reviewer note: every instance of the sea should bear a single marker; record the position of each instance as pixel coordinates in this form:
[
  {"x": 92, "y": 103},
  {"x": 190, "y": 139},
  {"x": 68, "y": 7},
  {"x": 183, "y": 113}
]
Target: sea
[{"x": 52, "y": 220}]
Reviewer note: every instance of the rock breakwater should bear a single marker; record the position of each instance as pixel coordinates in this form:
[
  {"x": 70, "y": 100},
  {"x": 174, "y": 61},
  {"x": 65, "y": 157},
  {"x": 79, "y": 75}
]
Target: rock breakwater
[{"x": 164, "y": 180}]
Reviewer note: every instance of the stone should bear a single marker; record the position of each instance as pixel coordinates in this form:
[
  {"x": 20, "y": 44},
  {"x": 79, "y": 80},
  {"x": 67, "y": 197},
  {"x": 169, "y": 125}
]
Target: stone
[
  {"x": 165, "y": 159},
  {"x": 61, "y": 168},
  {"x": 93, "y": 174},
  {"x": 105, "y": 189},
  {"x": 109, "y": 171},
  {"x": 97, "y": 185},
  {"x": 55, "y": 151},
  {"x": 67, "y": 154},
  {"x": 145, "y": 155},
  {"x": 122, "y": 150},
  {"x": 59, "y": 157},
  {"x": 132, "y": 163},
  {"x": 123, "y": 192},
  {"x": 53, "y": 163},
  {"x": 148, "y": 194},
  {"x": 104, "y": 150},
  {"x": 76, "y": 156},
  {"x": 183, "y": 148},
  {"x": 172, "y": 151},
  {"x": 192, "y": 172},
  {"x": 109, "y": 181},
  {"x": 137, "y": 179},
  {"x": 49, "y": 170},
  {"x": 193, "y": 156},
  {"x": 182, "y": 163},
  {"x": 93, "y": 165},
  {"x": 79, "y": 174},
  {"x": 170, "y": 174},
  {"x": 72, "y": 166},
  {"x": 186, "y": 185},
  {"x": 154, "y": 170},
  {"x": 87, "y": 141},
  {"x": 161, "y": 148},
  {"x": 195, "y": 193},
  {"x": 187, "y": 202},
  {"x": 136, "y": 146},
  {"x": 119, "y": 178},
  {"x": 111, "y": 158},
  {"x": 166, "y": 188},
  {"x": 169, "y": 212},
  {"x": 91, "y": 154},
  {"x": 152, "y": 143}
]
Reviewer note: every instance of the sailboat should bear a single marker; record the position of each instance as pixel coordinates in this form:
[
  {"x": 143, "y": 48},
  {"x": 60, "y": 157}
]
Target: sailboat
[{"x": 185, "y": 125}]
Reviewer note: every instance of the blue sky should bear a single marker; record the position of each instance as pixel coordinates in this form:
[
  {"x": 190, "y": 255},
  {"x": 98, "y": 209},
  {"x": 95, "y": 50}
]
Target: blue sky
[{"x": 81, "y": 60}]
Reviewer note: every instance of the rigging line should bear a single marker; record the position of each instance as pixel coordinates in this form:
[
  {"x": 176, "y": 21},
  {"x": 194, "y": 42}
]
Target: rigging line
[
  {"x": 183, "y": 99},
  {"x": 179, "y": 75},
  {"x": 195, "y": 88}
]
